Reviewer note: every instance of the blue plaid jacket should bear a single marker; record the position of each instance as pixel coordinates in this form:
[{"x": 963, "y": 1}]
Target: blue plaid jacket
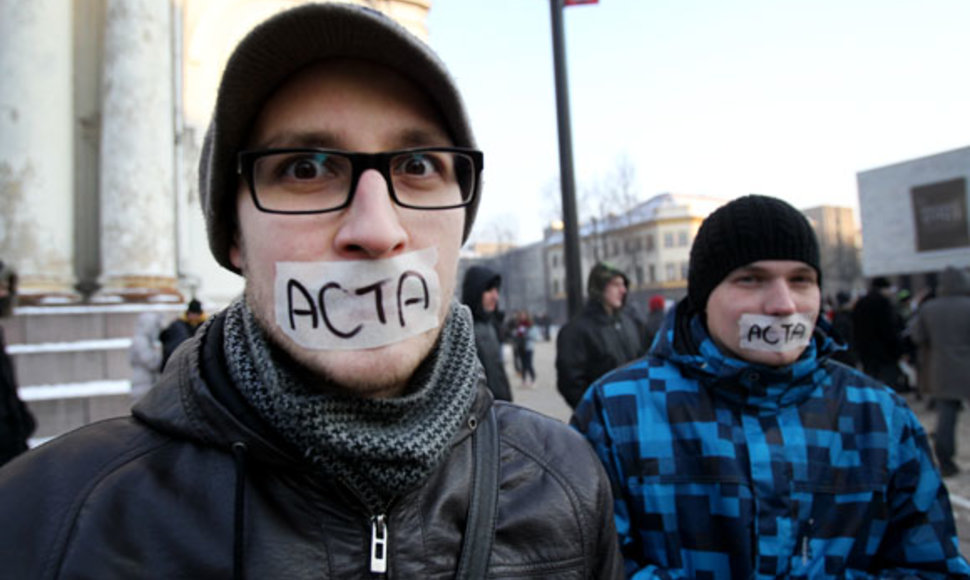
[{"x": 726, "y": 469}]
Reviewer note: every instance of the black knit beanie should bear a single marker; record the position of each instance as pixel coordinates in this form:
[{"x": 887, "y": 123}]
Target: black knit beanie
[{"x": 746, "y": 230}]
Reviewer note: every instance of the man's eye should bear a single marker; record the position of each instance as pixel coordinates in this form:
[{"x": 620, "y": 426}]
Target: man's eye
[
  {"x": 418, "y": 165},
  {"x": 305, "y": 168}
]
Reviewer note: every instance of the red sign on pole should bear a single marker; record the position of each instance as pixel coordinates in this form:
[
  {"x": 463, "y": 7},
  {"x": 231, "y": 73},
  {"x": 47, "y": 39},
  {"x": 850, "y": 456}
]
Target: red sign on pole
[{"x": 578, "y": 2}]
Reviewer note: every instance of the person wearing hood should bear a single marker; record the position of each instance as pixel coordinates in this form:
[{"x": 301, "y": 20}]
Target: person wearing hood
[
  {"x": 600, "y": 338},
  {"x": 16, "y": 421},
  {"x": 480, "y": 292},
  {"x": 739, "y": 449},
  {"x": 333, "y": 421},
  {"x": 941, "y": 328}
]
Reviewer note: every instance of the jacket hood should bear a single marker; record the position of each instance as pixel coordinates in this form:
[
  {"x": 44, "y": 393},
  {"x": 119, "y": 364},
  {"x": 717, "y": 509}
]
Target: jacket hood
[
  {"x": 599, "y": 277},
  {"x": 477, "y": 280},
  {"x": 954, "y": 282},
  {"x": 684, "y": 341},
  {"x": 194, "y": 400}
]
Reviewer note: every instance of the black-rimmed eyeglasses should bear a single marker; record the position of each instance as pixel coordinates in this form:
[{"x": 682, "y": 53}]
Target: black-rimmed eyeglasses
[{"x": 310, "y": 180}]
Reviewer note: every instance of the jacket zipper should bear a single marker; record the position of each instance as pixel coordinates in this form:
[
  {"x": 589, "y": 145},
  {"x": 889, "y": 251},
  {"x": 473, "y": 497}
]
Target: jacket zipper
[
  {"x": 806, "y": 547},
  {"x": 378, "y": 544}
]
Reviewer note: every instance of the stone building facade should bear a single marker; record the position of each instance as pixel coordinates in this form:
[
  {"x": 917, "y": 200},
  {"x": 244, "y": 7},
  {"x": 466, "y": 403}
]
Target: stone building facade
[
  {"x": 915, "y": 218},
  {"x": 651, "y": 244},
  {"x": 839, "y": 247},
  {"x": 103, "y": 108}
]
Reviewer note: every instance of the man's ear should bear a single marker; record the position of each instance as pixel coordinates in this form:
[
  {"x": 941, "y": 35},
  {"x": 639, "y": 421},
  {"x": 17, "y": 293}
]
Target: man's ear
[{"x": 236, "y": 253}]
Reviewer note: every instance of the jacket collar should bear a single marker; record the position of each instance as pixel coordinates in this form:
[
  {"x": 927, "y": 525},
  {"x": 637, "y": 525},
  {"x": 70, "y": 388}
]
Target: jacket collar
[{"x": 685, "y": 342}]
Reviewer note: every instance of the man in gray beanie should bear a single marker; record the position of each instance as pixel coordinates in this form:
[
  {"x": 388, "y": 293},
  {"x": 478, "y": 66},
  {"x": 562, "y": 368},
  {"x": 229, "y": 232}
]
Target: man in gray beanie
[
  {"x": 334, "y": 421},
  {"x": 739, "y": 449}
]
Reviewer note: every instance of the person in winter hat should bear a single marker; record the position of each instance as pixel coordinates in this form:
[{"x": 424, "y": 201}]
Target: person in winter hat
[
  {"x": 600, "y": 338},
  {"x": 333, "y": 422},
  {"x": 480, "y": 292},
  {"x": 181, "y": 329},
  {"x": 739, "y": 448},
  {"x": 877, "y": 331}
]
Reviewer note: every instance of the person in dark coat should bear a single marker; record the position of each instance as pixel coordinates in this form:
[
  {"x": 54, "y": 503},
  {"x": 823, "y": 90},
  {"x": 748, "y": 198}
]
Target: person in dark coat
[
  {"x": 181, "y": 329},
  {"x": 877, "y": 334},
  {"x": 480, "y": 292},
  {"x": 656, "y": 310},
  {"x": 16, "y": 421},
  {"x": 842, "y": 325},
  {"x": 941, "y": 328},
  {"x": 601, "y": 338}
]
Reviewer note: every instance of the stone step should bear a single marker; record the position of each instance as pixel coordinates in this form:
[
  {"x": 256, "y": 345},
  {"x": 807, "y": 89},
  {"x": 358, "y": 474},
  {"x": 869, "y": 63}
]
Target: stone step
[{"x": 72, "y": 361}]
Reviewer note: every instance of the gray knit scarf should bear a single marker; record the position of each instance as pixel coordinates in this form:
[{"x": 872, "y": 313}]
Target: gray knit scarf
[{"x": 379, "y": 448}]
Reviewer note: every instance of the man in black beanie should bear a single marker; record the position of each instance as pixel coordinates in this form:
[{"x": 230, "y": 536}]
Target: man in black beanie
[
  {"x": 333, "y": 421},
  {"x": 739, "y": 449}
]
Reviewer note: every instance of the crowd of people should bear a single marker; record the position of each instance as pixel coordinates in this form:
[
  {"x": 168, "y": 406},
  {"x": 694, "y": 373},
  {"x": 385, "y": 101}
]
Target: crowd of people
[
  {"x": 916, "y": 344},
  {"x": 325, "y": 423}
]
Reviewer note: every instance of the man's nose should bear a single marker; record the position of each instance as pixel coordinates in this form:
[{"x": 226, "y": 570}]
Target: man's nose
[
  {"x": 371, "y": 225},
  {"x": 779, "y": 299}
]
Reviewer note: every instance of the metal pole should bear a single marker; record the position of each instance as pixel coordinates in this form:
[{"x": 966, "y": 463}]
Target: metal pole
[{"x": 574, "y": 287}]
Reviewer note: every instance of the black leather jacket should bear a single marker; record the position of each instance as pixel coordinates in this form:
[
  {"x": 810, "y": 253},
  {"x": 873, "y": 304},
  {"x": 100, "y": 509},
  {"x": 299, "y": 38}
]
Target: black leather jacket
[{"x": 193, "y": 482}]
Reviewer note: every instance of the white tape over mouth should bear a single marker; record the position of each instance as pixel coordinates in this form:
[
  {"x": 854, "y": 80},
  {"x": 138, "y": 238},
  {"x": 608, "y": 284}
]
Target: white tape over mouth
[
  {"x": 358, "y": 304},
  {"x": 775, "y": 333}
]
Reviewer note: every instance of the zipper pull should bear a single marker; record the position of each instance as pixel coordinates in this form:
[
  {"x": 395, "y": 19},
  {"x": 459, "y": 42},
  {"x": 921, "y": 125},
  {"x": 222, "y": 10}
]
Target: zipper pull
[
  {"x": 378, "y": 545},
  {"x": 806, "y": 548}
]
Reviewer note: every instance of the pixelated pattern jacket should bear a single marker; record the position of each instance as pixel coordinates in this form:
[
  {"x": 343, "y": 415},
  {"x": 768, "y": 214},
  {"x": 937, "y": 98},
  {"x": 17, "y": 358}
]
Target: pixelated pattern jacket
[{"x": 725, "y": 469}]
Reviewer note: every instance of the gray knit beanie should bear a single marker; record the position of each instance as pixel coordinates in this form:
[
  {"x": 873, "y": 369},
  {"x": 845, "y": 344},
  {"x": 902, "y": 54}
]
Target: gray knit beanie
[
  {"x": 282, "y": 46},
  {"x": 746, "y": 230}
]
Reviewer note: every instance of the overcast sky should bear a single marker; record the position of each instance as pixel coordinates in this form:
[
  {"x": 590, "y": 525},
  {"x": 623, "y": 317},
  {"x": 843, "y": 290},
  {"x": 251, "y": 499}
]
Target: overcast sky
[{"x": 712, "y": 97}]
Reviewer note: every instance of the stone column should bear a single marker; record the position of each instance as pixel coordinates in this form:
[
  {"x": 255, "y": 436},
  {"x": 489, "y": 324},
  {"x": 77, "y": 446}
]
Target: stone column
[
  {"x": 36, "y": 147},
  {"x": 137, "y": 154}
]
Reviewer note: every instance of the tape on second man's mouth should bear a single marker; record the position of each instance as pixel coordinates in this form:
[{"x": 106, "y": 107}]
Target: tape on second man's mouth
[
  {"x": 358, "y": 304},
  {"x": 775, "y": 333}
]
